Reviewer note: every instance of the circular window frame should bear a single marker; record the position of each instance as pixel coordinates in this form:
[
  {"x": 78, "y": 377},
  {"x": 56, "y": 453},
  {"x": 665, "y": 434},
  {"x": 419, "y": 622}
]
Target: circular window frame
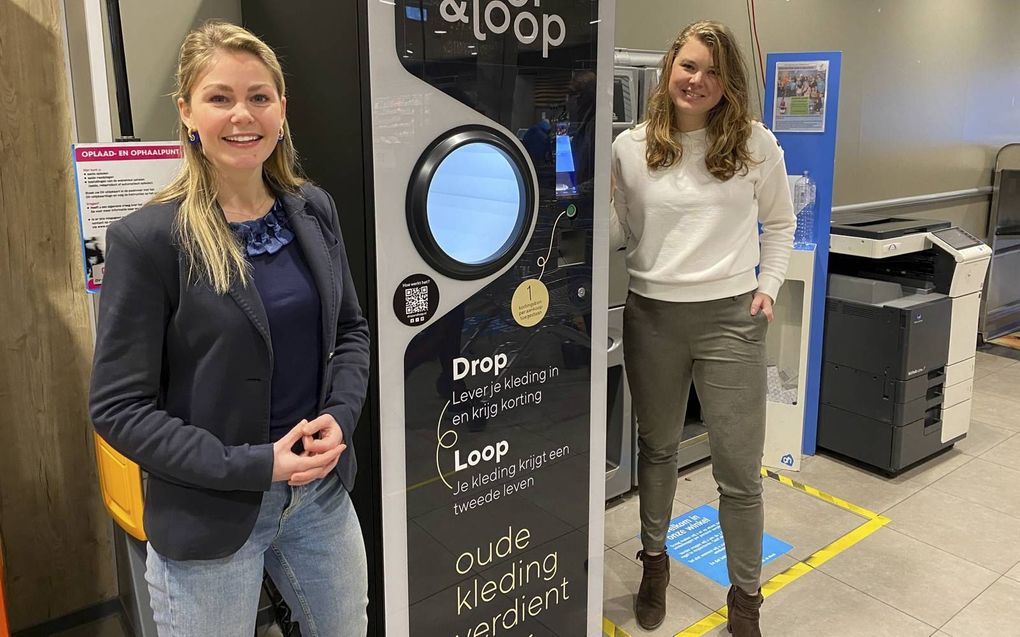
[{"x": 417, "y": 202}]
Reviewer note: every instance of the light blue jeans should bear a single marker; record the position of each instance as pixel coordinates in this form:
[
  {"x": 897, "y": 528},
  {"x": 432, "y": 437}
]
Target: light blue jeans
[{"x": 309, "y": 540}]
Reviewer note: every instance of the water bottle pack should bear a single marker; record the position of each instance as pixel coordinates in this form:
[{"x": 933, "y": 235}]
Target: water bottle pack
[{"x": 804, "y": 205}]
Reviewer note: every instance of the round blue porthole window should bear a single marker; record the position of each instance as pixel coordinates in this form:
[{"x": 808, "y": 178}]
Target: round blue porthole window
[{"x": 470, "y": 203}]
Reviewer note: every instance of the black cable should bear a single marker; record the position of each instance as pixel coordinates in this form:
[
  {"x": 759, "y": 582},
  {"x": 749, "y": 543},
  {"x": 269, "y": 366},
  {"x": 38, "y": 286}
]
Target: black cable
[
  {"x": 754, "y": 29},
  {"x": 754, "y": 58},
  {"x": 120, "y": 76},
  {"x": 756, "y": 52}
]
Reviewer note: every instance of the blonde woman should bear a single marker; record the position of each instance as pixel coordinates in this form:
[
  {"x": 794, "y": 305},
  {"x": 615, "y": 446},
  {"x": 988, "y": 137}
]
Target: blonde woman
[
  {"x": 232, "y": 362},
  {"x": 692, "y": 184}
]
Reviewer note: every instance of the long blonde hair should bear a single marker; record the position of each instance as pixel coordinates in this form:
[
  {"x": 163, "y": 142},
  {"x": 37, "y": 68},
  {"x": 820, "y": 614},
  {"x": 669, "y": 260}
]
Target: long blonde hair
[
  {"x": 212, "y": 250},
  {"x": 729, "y": 122}
]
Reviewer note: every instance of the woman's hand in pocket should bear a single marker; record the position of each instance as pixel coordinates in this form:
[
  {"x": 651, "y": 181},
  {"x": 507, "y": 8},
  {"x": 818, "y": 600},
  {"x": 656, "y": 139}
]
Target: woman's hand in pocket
[{"x": 762, "y": 303}]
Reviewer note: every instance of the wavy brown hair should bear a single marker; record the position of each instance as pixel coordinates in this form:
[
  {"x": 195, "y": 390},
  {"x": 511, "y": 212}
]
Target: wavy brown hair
[
  {"x": 729, "y": 122},
  {"x": 210, "y": 246}
]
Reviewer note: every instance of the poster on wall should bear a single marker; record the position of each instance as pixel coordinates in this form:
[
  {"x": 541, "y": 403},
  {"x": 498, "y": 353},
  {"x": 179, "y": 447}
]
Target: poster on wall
[
  {"x": 114, "y": 180},
  {"x": 800, "y": 97}
]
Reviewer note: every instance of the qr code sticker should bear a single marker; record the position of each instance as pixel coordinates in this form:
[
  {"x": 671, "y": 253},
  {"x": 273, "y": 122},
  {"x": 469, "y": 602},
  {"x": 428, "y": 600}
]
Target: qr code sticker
[{"x": 416, "y": 300}]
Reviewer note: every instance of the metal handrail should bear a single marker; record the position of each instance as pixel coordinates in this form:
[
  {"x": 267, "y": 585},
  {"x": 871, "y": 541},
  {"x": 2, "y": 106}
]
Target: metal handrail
[
  {"x": 637, "y": 57},
  {"x": 903, "y": 202}
]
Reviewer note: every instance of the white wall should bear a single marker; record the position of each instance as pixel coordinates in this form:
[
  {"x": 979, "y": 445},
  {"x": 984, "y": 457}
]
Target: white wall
[
  {"x": 153, "y": 32},
  {"x": 930, "y": 88}
]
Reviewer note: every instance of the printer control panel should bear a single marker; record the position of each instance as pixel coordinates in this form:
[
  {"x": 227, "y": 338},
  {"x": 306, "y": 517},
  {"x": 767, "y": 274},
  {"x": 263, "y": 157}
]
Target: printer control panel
[
  {"x": 960, "y": 262},
  {"x": 957, "y": 238}
]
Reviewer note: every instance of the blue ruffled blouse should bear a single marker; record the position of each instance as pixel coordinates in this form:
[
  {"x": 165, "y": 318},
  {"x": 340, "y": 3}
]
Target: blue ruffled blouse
[
  {"x": 267, "y": 234},
  {"x": 291, "y": 300}
]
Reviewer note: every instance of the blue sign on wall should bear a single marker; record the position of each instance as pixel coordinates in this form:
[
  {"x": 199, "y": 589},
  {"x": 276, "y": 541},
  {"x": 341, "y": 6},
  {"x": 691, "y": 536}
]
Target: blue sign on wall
[
  {"x": 816, "y": 153},
  {"x": 696, "y": 540}
]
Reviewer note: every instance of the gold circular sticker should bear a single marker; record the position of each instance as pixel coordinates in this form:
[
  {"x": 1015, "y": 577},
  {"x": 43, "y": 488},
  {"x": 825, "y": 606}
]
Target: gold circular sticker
[{"x": 530, "y": 303}]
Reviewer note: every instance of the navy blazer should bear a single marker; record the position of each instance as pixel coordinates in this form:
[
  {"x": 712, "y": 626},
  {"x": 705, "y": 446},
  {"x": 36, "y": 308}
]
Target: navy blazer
[{"x": 181, "y": 374}]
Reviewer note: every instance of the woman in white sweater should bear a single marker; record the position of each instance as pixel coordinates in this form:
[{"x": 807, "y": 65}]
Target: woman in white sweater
[{"x": 691, "y": 186}]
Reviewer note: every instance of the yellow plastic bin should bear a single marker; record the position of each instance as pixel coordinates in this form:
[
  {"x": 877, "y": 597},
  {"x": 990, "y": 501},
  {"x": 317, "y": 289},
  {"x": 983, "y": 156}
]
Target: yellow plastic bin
[{"x": 120, "y": 481}]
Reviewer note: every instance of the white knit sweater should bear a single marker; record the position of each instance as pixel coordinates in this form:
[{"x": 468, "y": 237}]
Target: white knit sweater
[{"x": 692, "y": 237}]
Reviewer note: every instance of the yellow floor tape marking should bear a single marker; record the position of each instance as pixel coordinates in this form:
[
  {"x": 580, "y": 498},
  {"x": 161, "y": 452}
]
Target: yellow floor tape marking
[
  {"x": 609, "y": 629},
  {"x": 705, "y": 625},
  {"x": 853, "y": 537},
  {"x": 795, "y": 572},
  {"x": 782, "y": 580},
  {"x": 821, "y": 495}
]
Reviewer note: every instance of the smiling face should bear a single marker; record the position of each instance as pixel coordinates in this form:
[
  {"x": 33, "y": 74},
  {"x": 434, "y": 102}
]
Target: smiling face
[
  {"x": 695, "y": 86},
  {"x": 238, "y": 113}
]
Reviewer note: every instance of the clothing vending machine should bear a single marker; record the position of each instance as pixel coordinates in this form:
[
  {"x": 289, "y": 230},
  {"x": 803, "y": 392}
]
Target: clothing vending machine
[{"x": 459, "y": 139}]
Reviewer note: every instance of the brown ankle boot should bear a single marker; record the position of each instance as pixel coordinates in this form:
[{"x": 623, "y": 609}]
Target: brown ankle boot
[
  {"x": 742, "y": 611},
  {"x": 650, "y": 603}
]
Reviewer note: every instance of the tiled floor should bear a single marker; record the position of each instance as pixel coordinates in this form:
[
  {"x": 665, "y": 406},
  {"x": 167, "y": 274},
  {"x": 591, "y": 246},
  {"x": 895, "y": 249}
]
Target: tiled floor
[
  {"x": 947, "y": 564},
  {"x": 113, "y": 626},
  {"x": 107, "y": 627}
]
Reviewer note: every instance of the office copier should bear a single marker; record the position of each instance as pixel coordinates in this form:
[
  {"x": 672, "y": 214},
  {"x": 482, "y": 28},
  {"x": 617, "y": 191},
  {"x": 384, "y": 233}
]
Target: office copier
[{"x": 900, "y": 336}]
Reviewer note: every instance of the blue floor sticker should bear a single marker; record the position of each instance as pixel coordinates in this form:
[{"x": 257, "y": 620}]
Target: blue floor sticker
[{"x": 696, "y": 540}]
